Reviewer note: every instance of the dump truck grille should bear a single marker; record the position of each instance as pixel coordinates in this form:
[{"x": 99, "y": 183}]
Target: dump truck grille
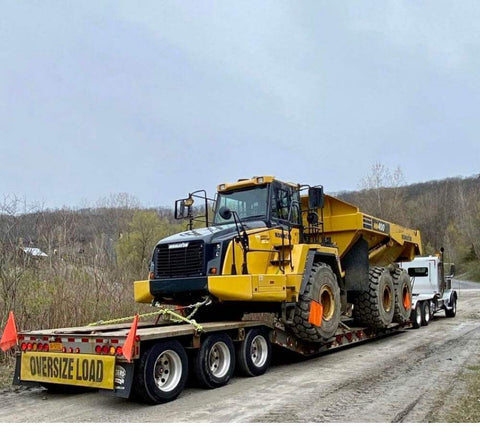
[{"x": 179, "y": 259}]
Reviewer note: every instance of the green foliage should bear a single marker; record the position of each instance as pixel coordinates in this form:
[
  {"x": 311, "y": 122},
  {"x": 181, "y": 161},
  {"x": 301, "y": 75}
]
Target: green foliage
[{"x": 135, "y": 246}]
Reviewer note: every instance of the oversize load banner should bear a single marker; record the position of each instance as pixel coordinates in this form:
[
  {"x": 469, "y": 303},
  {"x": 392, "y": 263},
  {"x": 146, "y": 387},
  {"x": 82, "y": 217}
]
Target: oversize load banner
[{"x": 71, "y": 369}]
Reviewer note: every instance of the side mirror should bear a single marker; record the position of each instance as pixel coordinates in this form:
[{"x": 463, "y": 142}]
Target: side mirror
[
  {"x": 225, "y": 213},
  {"x": 316, "y": 198},
  {"x": 183, "y": 208},
  {"x": 452, "y": 270}
]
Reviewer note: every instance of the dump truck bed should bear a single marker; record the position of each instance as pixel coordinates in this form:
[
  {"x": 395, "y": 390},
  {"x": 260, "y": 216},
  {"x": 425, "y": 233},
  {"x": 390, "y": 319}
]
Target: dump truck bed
[{"x": 345, "y": 224}]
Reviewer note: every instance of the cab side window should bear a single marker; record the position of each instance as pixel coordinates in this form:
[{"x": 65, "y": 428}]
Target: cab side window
[{"x": 282, "y": 206}]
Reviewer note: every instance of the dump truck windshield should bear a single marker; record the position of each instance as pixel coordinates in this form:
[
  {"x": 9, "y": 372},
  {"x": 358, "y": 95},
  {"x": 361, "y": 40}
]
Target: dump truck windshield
[{"x": 247, "y": 203}]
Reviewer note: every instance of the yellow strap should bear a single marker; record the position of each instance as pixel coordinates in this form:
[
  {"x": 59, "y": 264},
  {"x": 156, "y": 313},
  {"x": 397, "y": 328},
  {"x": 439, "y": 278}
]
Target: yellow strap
[{"x": 177, "y": 318}]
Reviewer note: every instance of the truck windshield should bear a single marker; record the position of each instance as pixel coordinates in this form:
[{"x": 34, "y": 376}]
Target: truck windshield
[{"x": 247, "y": 203}]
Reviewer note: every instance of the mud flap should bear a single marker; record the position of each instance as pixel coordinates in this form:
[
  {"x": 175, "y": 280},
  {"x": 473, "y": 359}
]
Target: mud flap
[{"x": 123, "y": 380}]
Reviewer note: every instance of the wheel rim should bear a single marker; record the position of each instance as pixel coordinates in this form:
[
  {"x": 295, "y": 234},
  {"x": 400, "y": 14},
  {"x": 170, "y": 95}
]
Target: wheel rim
[
  {"x": 219, "y": 359},
  {"x": 327, "y": 301},
  {"x": 167, "y": 371},
  {"x": 259, "y": 351},
  {"x": 418, "y": 313},
  {"x": 454, "y": 306},
  {"x": 427, "y": 313},
  {"x": 387, "y": 298}
]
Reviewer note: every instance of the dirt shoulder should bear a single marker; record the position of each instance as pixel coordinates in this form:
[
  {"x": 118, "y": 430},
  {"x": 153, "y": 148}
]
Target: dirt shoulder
[{"x": 412, "y": 376}]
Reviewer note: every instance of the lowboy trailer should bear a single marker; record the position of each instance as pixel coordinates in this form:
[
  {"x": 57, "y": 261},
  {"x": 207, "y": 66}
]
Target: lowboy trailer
[{"x": 91, "y": 356}]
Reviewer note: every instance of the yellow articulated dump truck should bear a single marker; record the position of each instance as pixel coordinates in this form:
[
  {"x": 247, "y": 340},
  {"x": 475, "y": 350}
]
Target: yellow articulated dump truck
[
  {"x": 274, "y": 263},
  {"x": 277, "y": 247}
]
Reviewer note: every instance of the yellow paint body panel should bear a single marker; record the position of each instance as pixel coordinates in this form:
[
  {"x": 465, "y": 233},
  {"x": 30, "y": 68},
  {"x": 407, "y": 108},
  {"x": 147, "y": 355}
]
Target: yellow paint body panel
[
  {"x": 260, "y": 288},
  {"x": 71, "y": 369},
  {"x": 141, "y": 290},
  {"x": 387, "y": 241}
]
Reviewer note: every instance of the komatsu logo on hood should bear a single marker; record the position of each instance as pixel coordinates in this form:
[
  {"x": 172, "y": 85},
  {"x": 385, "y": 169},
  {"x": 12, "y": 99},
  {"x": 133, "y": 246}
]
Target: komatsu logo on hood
[{"x": 178, "y": 245}]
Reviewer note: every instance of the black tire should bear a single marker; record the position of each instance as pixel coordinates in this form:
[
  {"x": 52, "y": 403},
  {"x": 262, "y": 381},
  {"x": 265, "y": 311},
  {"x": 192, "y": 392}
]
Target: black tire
[
  {"x": 322, "y": 286},
  {"x": 450, "y": 313},
  {"x": 375, "y": 306},
  {"x": 214, "y": 362},
  {"x": 426, "y": 313},
  {"x": 403, "y": 296},
  {"x": 254, "y": 353},
  {"x": 161, "y": 373},
  {"x": 416, "y": 316}
]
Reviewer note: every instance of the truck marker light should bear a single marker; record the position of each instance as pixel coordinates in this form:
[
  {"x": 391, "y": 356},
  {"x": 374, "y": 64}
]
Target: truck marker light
[
  {"x": 98, "y": 349},
  {"x": 40, "y": 347},
  {"x": 34, "y": 347},
  {"x": 71, "y": 339},
  {"x": 114, "y": 341},
  {"x": 119, "y": 351},
  {"x": 77, "y": 350},
  {"x": 70, "y": 350},
  {"x": 105, "y": 349},
  {"x": 46, "y": 347},
  {"x": 24, "y": 346},
  {"x": 84, "y": 340},
  {"x": 29, "y": 346},
  {"x": 213, "y": 270},
  {"x": 151, "y": 275},
  {"x": 64, "y": 350},
  {"x": 112, "y": 350}
]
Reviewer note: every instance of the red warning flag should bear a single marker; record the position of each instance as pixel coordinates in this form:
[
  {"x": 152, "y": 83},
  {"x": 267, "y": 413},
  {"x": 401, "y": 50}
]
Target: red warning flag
[
  {"x": 129, "y": 344},
  {"x": 9, "y": 336},
  {"x": 316, "y": 313}
]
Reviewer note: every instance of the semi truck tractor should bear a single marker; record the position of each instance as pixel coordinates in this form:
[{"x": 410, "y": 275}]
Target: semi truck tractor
[
  {"x": 314, "y": 271},
  {"x": 431, "y": 288}
]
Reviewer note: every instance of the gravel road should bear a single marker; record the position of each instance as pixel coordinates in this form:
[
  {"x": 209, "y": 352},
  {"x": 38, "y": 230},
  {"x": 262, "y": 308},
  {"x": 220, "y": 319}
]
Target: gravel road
[{"x": 412, "y": 376}]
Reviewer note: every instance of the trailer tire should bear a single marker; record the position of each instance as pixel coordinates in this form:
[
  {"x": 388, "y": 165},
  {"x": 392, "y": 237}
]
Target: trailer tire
[
  {"x": 450, "y": 313},
  {"x": 426, "y": 313},
  {"x": 254, "y": 353},
  {"x": 322, "y": 286},
  {"x": 403, "y": 296},
  {"x": 214, "y": 362},
  {"x": 375, "y": 306},
  {"x": 161, "y": 373},
  {"x": 416, "y": 316}
]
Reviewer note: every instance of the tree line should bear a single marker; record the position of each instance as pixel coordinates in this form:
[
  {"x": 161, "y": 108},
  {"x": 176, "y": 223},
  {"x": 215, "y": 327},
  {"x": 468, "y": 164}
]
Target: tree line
[{"x": 93, "y": 255}]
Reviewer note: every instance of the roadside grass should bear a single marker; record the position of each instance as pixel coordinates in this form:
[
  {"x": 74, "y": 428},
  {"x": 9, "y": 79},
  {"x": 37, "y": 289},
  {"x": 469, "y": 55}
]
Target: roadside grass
[
  {"x": 467, "y": 409},
  {"x": 7, "y": 367}
]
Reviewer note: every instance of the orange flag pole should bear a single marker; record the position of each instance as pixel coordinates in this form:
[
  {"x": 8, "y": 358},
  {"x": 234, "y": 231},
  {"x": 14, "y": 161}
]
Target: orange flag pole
[
  {"x": 128, "y": 346},
  {"x": 9, "y": 336}
]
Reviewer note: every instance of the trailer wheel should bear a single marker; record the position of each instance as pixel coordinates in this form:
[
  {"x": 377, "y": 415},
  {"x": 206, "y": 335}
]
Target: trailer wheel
[
  {"x": 161, "y": 373},
  {"x": 426, "y": 313},
  {"x": 403, "y": 296},
  {"x": 376, "y": 305},
  {"x": 450, "y": 313},
  {"x": 322, "y": 286},
  {"x": 416, "y": 316},
  {"x": 254, "y": 353},
  {"x": 215, "y": 361}
]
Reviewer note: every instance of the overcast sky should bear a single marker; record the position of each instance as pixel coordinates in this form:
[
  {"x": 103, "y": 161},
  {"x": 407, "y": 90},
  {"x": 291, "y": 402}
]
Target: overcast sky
[{"x": 159, "y": 98}]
